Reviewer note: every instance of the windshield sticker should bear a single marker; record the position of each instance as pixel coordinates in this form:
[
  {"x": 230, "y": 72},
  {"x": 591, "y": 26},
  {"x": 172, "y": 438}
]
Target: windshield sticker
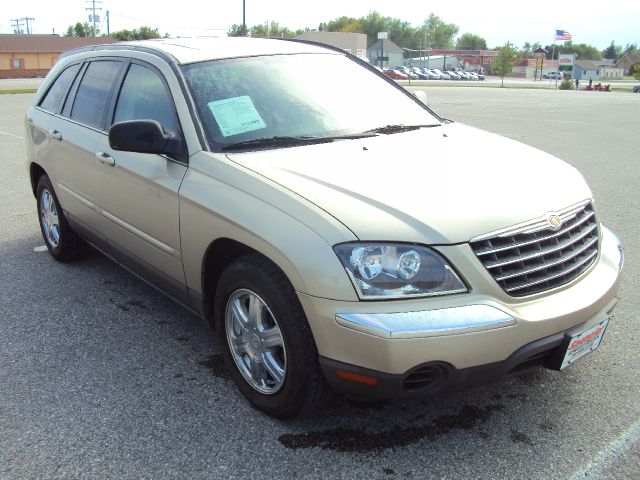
[{"x": 236, "y": 115}]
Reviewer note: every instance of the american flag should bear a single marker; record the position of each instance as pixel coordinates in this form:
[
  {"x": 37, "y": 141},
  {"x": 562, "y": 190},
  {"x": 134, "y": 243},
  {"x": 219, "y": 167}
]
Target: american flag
[{"x": 563, "y": 35}]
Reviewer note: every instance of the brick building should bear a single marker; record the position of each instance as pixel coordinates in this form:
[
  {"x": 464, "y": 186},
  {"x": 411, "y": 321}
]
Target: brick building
[{"x": 29, "y": 56}]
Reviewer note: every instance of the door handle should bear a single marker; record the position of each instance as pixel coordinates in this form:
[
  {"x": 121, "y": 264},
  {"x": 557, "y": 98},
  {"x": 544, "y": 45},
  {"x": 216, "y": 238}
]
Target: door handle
[
  {"x": 55, "y": 135},
  {"x": 106, "y": 158}
]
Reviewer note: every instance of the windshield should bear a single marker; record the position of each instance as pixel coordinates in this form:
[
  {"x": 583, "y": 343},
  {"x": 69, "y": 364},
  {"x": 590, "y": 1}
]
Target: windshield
[{"x": 301, "y": 95}]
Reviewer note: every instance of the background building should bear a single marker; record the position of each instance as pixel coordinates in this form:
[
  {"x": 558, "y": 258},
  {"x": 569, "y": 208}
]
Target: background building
[
  {"x": 592, "y": 69},
  {"x": 28, "y": 56},
  {"x": 627, "y": 61},
  {"x": 388, "y": 50},
  {"x": 354, "y": 43}
]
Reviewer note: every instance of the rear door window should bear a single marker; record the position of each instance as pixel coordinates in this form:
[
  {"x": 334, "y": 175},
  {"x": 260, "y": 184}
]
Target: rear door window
[
  {"x": 54, "y": 98},
  {"x": 92, "y": 98}
]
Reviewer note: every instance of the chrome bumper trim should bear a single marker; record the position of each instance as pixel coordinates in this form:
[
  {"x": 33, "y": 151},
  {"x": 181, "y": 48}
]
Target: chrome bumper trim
[{"x": 428, "y": 323}]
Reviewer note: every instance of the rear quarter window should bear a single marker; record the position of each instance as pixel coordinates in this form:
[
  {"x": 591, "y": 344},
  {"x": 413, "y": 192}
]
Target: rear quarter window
[{"x": 54, "y": 98}]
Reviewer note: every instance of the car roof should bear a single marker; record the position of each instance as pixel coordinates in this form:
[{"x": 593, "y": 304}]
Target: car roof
[{"x": 198, "y": 49}]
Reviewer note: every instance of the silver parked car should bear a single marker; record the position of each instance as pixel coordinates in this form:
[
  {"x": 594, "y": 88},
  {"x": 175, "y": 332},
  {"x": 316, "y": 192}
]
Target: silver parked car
[{"x": 293, "y": 214}]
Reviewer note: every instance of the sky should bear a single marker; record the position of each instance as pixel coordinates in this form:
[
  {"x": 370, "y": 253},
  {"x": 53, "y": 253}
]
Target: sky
[{"x": 595, "y": 23}]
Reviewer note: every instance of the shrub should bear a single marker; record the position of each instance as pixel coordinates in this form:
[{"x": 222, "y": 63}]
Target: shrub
[{"x": 566, "y": 84}]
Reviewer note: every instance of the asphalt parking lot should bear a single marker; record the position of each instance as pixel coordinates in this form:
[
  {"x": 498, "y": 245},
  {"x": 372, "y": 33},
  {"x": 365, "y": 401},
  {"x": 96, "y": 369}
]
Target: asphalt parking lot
[{"x": 103, "y": 377}]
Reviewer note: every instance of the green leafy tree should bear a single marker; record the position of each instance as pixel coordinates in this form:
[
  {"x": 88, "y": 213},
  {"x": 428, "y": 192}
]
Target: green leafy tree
[
  {"x": 612, "y": 51},
  {"x": 237, "y": 31},
  {"x": 631, "y": 48},
  {"x": 582, "y": 50},
  {"x": 81, "y": 30},
  {"x": 503, "y": 63},
  {"x": 273, "y": 30},
  {"x": 636, "y": 71},
  {"x": 471, "y": 41},
  {"x": 338, "y": 24},
  {"x": 437, "y": 33},
  {"x": 527, "y": 47},
  {"x": 141, "y": 33}
]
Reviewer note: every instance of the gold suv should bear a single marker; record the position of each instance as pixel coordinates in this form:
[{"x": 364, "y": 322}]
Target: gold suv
[{"x": 274, "y": 187}]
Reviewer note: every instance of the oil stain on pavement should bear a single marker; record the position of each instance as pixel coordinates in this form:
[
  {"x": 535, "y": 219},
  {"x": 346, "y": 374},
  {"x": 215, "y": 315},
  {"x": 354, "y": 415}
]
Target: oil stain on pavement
[{"x": 349, "y": 440}]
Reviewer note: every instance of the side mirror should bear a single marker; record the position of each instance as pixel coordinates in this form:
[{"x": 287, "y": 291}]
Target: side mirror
[
  {"x": 144, "y": 136},
  {"x": 420, "y": 95}
]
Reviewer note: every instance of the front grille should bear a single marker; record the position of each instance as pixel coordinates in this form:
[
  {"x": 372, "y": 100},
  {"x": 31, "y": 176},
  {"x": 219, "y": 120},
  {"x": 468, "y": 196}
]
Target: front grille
[{"x": 533, "y": 258}]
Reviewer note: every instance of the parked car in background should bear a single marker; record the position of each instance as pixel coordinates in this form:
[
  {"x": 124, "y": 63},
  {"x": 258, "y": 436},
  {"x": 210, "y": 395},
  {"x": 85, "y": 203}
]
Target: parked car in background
[
  {"x": 421, "y": 75},
  {"x": 443, "y": 75},
  {"x": 480, "y": 75},
  {"x": 453, "y": 75},
  {"x": 396, "y": 74},
  {"x": 553, "y": 75},
  {"x": 277, "y": 206},
  {"x": 433, "y": 74}
]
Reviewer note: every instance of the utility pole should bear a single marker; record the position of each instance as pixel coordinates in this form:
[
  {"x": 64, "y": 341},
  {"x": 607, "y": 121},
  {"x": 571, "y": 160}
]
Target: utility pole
[
  {"x": 108, "y": 32},
  {"x": 93, "y": 18},
  {"x": 244, "y": 22},
  {"x": 16, "y": 23},
  {"x": 26, "y": 21}
]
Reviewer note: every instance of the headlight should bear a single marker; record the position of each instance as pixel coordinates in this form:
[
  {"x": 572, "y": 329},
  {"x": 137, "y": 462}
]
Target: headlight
[{"x": 385, "y": 271}]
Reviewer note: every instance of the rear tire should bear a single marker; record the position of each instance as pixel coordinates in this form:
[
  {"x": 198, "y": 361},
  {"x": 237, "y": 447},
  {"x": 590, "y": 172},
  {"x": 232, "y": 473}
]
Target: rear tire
[
  {"x": 62, "y": 242},
  {"x": 266, "y": 341}
]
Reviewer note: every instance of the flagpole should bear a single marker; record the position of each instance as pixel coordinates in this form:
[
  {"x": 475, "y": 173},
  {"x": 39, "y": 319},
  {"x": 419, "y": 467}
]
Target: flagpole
[{"x": 553, "y": 52}]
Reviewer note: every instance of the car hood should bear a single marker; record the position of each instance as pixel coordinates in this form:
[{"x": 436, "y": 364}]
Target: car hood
[{"x": 438, "y": 185}]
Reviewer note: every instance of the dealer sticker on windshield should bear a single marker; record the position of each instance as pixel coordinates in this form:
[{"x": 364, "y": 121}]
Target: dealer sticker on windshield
[
  {"x": 584, "y": 343},
  {"x": 236, "y": 115}
]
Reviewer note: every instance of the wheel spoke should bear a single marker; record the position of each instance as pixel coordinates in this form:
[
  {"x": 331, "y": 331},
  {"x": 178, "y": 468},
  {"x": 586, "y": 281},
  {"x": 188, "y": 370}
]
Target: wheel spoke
[
  {"x": 256, "y": 371},
  {"x": 272, "y": 366},
  {"x": 242, "y": 319},
  {"x": 271, "y": 338},
  {"x": 239, "y": 345},
  {"x": 256, "y": 311}
]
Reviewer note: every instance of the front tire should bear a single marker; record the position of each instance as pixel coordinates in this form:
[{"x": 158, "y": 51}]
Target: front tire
[
  {"x": 61, "y": 241},
  {"x": 266, "y": 340}
]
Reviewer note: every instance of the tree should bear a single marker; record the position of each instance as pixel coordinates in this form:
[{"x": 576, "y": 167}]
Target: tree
[
  {"x": 81, "y": 30},
  {"x": 503, "y": 63},
  {"x": 237, "y": 31},
  {"x": 613, "y": 51},
  {"x": 273, "y": 30},
  {"x": 582, "y": 50},
  {"x": 141, "y": 33},
  {"x": 527, "y": 47},
  {"x": 471, "y": 41},
  {"x": 636, "y": 71},
  {"x": 437, "y": 33}
]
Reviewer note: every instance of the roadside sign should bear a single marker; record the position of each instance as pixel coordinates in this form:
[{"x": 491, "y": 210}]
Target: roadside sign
[{"x": 383, "y": 35}]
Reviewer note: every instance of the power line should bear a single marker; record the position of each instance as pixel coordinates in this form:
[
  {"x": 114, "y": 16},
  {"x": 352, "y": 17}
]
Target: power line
[
  {"x": 16, "y": 24},
  {"x": 93, "y": 18},
  {"x": 165, "y": 24}
]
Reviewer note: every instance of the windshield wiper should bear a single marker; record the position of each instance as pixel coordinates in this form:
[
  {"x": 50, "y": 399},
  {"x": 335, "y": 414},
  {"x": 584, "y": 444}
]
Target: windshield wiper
[
  {"x": 291, "y": 141},
  {"x": 283, "y": 141},
  {"x": 389, "y": 129}
]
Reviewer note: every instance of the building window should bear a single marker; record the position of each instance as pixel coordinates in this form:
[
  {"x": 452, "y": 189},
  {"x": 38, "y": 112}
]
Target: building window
[{"x": 17, "y": 63}]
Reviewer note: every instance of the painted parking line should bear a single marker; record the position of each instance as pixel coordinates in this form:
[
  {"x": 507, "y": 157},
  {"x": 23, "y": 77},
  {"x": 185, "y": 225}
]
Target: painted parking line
[
  {"x": 11, "y": 135},
  {"x": 607, "y": 456}
]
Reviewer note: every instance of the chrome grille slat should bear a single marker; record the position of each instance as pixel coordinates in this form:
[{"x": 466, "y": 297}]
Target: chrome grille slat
[
  {"x": 553, "y": 264},
  {"x": 575, "y": 267},
  {"x": 532, "y": 259},
  {"x": 530, "y": 242},
  {"x": 542, "y": 253}
]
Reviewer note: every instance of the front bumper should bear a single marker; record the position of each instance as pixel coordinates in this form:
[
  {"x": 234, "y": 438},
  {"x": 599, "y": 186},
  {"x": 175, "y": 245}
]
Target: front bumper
[{"x": 459, "y": 332}]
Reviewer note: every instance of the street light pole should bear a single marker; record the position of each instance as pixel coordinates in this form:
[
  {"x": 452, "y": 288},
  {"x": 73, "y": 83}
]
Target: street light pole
[{"x": 244, "y": 23}]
